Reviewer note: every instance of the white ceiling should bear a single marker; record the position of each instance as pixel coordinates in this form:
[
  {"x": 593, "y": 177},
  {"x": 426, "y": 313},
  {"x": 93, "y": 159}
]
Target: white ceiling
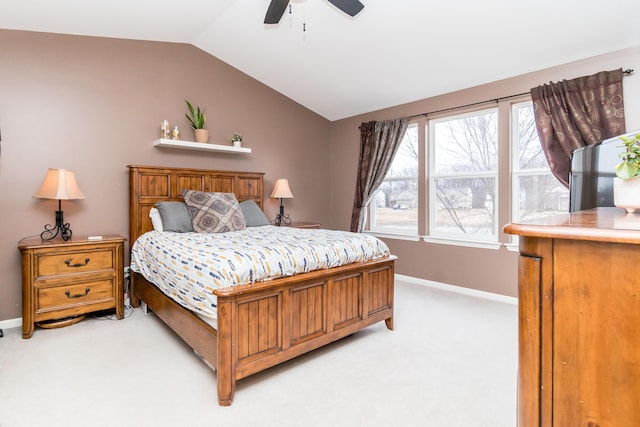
[{"x": 393, "y": 52}]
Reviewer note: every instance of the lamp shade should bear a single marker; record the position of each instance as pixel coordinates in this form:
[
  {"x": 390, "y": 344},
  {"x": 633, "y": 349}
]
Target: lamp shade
[
  {"x": 59, "y": 184},
  {"x": 281, "y": 189}
]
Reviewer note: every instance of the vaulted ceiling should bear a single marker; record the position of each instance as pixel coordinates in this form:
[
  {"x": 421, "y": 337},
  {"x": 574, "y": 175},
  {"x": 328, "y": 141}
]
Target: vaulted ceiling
[{"x": 391, "y": 53}]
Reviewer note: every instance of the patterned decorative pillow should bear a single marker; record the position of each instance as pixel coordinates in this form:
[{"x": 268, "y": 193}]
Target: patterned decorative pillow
[{"x": 214, "y": 212}]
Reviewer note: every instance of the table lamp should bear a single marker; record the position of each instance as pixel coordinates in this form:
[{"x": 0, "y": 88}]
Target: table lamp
[
  {"x": 59, "y": 184},
  {"x": 281, "y": 191}
]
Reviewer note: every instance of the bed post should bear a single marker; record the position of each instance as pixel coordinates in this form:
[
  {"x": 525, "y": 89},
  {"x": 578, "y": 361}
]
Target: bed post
[
  {"x": 391, "y": 292},
  {"x": 133, "y": 298},
  {"x": 134, "y": 226},
  {"x": 226, "y": 366}
]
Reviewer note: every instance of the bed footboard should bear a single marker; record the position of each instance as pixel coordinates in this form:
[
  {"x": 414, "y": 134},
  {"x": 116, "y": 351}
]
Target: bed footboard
[{"x": 264, "y": 324}]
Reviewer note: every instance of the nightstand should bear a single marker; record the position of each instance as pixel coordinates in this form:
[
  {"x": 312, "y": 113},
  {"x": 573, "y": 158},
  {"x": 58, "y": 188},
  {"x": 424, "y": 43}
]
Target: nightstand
[
  {"x": 302, "y": 224},
  {"x": 63, "y": 281}
]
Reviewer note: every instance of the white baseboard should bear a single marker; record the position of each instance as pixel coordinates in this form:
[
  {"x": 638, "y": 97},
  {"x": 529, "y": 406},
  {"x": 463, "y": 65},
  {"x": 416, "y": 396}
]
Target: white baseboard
[
  {"x": 459, "y": 289},
  {"x": 11, "y": 323}
]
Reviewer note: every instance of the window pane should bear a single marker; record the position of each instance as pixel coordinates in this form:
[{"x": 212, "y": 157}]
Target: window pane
[
  {"x": 530, "y": 154},
  {"x": 395, "y": 204},
  {"x": 464, "y": 181},
  {"x": 465, "y": 206},
  {"x": 405, "y": 162},
  {"x": 467, "y": 144},
  {"x": 536, "y": 192},
  {"x": 541, "y": 195}
]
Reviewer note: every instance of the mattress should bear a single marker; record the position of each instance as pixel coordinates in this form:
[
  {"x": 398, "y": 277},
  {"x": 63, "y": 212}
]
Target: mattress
[{"x": 188, "y": 267}]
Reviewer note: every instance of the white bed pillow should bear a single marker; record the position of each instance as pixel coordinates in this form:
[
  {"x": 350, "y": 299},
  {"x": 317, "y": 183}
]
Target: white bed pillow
[{"x": 156, "y": 220}]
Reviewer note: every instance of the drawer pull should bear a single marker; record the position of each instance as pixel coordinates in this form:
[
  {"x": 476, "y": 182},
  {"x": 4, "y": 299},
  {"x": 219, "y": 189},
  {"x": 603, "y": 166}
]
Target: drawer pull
[
  {"x": 68, "y": 262},
  {"x": 86, "y": 292}
]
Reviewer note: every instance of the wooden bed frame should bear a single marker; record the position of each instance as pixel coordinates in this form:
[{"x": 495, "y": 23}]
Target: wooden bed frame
[{"x": 262, "y": 324}]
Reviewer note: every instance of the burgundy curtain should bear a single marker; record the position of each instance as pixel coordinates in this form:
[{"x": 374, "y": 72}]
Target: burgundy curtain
[
  {"x": 379, "y": 142},
  {"x": 575, "y": 113}
]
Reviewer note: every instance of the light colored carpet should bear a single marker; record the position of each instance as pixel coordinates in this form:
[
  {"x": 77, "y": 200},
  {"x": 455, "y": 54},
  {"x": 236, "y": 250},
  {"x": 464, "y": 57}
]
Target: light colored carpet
[{"x": 451, "y": 361}]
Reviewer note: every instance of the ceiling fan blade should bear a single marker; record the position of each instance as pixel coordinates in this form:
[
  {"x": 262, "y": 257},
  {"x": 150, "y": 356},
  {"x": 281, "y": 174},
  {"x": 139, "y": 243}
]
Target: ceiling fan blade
[
  {"x": 350, "y": 7},
  {"x": 275, "y": 11}
]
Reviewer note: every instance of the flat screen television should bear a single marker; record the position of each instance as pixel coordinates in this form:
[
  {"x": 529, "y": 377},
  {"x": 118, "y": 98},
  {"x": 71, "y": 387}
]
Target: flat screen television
[{"x": 592, "y": 171}]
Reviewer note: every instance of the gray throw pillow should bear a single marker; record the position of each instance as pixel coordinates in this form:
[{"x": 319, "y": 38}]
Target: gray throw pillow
[
  {"x": 175, "y": 217},
  {"x": 253, "y": 215}
]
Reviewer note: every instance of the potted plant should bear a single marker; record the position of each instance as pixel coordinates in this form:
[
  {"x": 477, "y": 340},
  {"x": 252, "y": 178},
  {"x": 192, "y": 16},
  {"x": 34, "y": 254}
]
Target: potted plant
[
  {"x": 197, "y": 120},
  {"x": 236, "y": 140},
  {"x": 626, "y": 185}
]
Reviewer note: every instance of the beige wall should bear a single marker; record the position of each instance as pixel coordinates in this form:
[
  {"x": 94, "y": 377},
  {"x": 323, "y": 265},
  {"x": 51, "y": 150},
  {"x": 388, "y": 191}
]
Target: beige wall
[
  {"x": 94, "y": 105},
  {"x": 482, "y": 269}
]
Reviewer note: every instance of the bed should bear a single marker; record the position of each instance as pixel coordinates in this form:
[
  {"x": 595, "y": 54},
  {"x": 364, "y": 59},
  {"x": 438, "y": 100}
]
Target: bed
[{"x": 260, "y": 324}]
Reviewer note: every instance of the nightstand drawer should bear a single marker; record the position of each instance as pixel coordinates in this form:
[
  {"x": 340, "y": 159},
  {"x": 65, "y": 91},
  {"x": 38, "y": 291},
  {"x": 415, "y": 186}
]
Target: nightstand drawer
[
  {"x": 64, "y": 296},
  {"x": 53, "y": 264}
]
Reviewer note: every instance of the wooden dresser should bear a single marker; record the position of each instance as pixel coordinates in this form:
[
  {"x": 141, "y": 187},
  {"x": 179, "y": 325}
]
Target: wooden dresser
[
  {"x": 62, "y": 281},
  {"x": 579, "y": 319}
]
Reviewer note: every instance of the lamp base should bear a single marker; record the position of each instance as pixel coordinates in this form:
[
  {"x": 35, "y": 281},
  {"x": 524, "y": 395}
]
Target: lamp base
[
  {"x": 282, "y": 220},
  {"x": 64, "y": 230}
]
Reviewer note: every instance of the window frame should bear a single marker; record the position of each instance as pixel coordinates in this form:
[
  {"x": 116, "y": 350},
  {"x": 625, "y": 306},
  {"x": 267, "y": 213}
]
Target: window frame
[
  {"x": 431, "y": 231},
  {"x": 506, "y": 178}
]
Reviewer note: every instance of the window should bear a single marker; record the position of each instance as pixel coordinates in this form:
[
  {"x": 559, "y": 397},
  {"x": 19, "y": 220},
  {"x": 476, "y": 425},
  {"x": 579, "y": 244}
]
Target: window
[
  {"x": 394, "y": 208},
  {"x": 536, "y": 192},
  {"x": 463, "y": 186},
  {"x": 473, "y": 157}
]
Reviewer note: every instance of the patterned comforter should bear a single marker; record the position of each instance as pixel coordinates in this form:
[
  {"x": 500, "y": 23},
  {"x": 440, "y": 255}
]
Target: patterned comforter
[{"x": 189, "y": 266}]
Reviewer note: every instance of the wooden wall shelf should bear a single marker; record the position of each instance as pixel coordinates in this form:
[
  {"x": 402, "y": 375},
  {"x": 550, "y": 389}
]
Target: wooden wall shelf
[{"x": 190, "y": 145}]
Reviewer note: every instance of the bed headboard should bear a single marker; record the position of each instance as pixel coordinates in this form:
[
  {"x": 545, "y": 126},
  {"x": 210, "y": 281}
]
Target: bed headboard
[{"x": 151, "y": 184}]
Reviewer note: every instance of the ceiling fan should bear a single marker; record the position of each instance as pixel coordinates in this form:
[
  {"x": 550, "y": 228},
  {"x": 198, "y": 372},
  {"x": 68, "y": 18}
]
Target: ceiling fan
[{"x": 277, "y": 7}]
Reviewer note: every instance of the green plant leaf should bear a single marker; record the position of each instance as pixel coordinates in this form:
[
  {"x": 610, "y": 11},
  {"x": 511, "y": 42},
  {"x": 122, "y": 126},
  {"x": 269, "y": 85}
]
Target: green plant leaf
[
  {"x": 197, "y": 118},
  {"x": 630, "y": 166},
  {"x": 626, "y": 170}
]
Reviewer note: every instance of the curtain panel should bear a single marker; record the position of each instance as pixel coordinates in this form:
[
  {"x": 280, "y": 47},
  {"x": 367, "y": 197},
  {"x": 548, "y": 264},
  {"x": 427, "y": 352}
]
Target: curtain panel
[
  {"x": 575, "y": 113},
  {"x": 379, "y": 142}
]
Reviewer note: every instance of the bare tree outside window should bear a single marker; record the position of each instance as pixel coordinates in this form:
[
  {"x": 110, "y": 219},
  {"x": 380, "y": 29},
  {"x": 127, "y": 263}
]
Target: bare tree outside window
[{"x": 465, "y": 169}]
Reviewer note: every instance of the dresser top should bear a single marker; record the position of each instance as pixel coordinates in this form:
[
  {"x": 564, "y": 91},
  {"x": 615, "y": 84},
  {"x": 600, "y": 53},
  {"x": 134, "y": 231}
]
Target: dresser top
[
  {"x": 37, "y": 242},
  {"x": 599, "y": 224}
]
